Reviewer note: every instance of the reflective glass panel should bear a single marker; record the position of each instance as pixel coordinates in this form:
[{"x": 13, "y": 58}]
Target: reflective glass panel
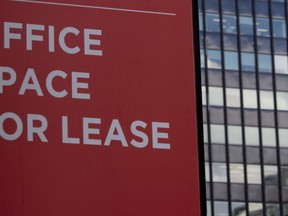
[
  {"x": 234, "y": 134},
  {"x": 207, "y": 172},
  {"x": 238, "y": 209},
  {"x": 200, "y": 17},
  {"x": 283, "y": 137},
  {"x": 205, "y": 133},
  {"x": 217, "y": 134},
  {"x": 279, "y": 28},
  {"x": 215, "y": 96},
  {"x": 214, "y": 59},
  {"x": 271, "y": 175},
  {"x": 266, "y": 100},
  {"x": 250, "y": 98},
  {"x": 208, "y": 203},
  {"x": 236, "y": 173},
  {"x": 284, "y": 173},
  {"x": 256, "y": 209},
  {"x": 204, "y": 95},
  {"x": 253, "y": 174},
  {"x": 282, "y": 101},
  {"x": 252, "y": 136},
  {"x": 248, "y": 61},
  {"x": 263, "y": 28},
  {"x": 212, "y": 22},
  {"x": 221, "y": 208},
  {"x": 232, "y": 97},
  {"x": 269, "y": 136},
  {"x": 229, "y": 24},
  {"x": 272, "y": 210},
  {"x": 231, "y": 60},
  {"x": 246, "y": 25},
  {"x": 264, "y": 63},
  {"x": 281, "y": 64},
  {"x": 219, "y": 172},
  {"x": 245, "y": 7}
]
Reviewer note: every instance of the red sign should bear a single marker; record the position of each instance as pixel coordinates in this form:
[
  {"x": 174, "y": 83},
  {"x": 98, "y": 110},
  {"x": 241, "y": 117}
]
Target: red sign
[{"x": 98, "y": 108}]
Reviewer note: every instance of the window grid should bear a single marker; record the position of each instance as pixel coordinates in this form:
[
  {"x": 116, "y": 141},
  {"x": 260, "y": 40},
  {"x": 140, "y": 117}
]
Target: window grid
[{"x": 230, "y": 74}]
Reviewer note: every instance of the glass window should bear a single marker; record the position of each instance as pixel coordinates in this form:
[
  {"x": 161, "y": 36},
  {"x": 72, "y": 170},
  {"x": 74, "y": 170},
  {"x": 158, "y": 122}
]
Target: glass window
[
  {"x": 216, "y": 115},
  {"x": 268, "y": 118},
  {"x": 251, "y": 117},
  {"x": 236, "y": 154},
  {"x": 247, "y": 43},
  {"x": 237, "y": 193},
  {"x": 200, "y": 18},
  {"x": 246, "y": 25},
  {"x": 215, "y": 96},
  {"x": 202, "y": 58},
  {"x": 231, "y": 60},
  {"x": 217, "y": 134},
  {"x": 221, "y": 208},
  {"x": 283, "y": 137},
  {"x": 234, "y": 134},
  {"x": 252, "y": 136},
  {"x": 207, "y": 172},
  {"x": 272, "y": 210},
  {"x": 285, "y": 209},
  {"x": 282, "y": 101},
  {"x": 219, "y": 172},
  {"x": 212, "y": 22},
  {"x": 281, "y": 82},
  {"x": 208, "y": 203},
  {"x": 280, "y": 46},
  {"x": 228, "y": 6},
  {"x": 263, "y": 27},
  {"x": 261, "y": 7},
  {"x": 205, "y": 133},
  {"x": 271, "y": 175},
  {"x": 269, "y": 155},
  {"x": 250, "y": 98},
  {"x": 263, "y": 45},
  {"x": 213, "y": 40},
  {"x": 236, "y": 173},
  {"x": 248, "y": 61},
  {"x": 264, "y": 63},
  {"x": 245, "y": 7},
  {"x": 214, "y": 59},
  {"x": 230, "y": 42},
  {"x": 229, "y": 24},
  {"x": 269, "y": 136},
  {"x": 282, "y": 119},
  {"x": 279, "y": 28},
  {"x": 266, "y": 100},
  {"x": 256, "y": 209},
  {"x": 212, "y": 5},
  {"x": 253, "y": 174},
  {"x": 278, "y": 10},
  {"x": 238, "y": 209},
  {"x": 253, "y": 155},
  {"x": 218, "y": 153},
  {"x": 232, "y": 97},
  {"x": 284, "y": 173},
  {"x": 234, "y": 116},
  {"x": 281, "y": 64},
  {"x": 204, "y": 95},
  {"x": 266, "y": 81}
]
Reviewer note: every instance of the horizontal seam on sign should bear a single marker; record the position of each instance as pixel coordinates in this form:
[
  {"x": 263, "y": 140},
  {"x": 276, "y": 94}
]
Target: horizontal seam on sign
[{"x": 97, "y": 7}]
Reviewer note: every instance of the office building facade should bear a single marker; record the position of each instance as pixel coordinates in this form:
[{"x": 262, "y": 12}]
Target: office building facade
[{"x": 244, "y": 70}]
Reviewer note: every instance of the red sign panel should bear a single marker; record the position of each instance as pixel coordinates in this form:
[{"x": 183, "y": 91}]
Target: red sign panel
[{"x": 98, "y": 108}]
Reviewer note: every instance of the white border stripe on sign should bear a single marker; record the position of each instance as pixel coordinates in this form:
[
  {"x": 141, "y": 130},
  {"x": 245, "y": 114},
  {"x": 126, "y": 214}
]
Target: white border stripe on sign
[{"x": 97, "y": 7}]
